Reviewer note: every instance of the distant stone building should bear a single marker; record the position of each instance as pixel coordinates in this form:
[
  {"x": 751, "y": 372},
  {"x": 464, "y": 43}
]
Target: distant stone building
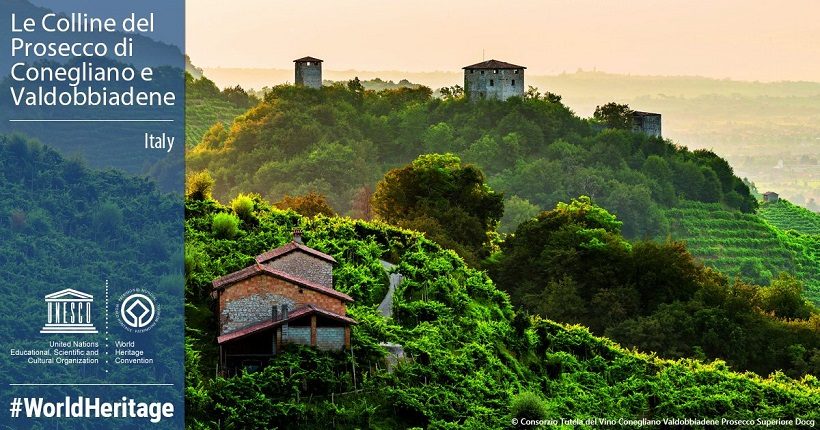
[
  {"x": 770, "y": 197},
  {"x": 286, "y": 296},
  {"x": 493, "y": 79},
  {"x": 647, "y": 122},
  {"x": 308, "y": 72}
]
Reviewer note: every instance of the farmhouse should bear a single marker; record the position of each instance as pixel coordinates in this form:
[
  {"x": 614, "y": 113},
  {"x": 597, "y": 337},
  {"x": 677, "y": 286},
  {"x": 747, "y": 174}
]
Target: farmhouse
[
  {"x": 493, "y": 79},
  {"x": 286, "y": 296},
  {"x": 770, "y": 197}
]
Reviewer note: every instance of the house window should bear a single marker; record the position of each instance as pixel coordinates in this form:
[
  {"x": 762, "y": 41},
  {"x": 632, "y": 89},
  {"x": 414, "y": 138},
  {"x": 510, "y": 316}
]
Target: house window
[
  {"x": 495, "y": 71},
  {"x": 471, "y": 71},
  {"x": 482, "y": 72},
  {"x": 513, "y": 82},
  {"x": 492, "y": 83},
  {"x": 516, "y": 71},
  {"x": 308, "y": 63}
]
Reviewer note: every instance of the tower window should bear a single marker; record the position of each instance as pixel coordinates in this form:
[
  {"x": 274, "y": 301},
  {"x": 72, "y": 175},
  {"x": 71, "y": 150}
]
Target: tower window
[
  {"x": 513, "y": 82},
  {"x": 492, "y": 83}
]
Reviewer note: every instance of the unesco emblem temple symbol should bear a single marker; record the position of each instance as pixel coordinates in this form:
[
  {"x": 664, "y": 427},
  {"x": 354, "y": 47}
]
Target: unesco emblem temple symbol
[{"x": 69, "y": 312}]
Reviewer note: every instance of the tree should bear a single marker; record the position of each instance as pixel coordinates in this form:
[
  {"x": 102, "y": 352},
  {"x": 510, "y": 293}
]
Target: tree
[
  {"x": 516, "y": 211},
  {"x": 199, "y": 185},
  {"x": 439, "y": 195},
  {"x": 360, "y": 206},
  {"x": 614, "y": 115},
  {"x": 452, "y": 93},
  {"x": 309, "y": 205}
]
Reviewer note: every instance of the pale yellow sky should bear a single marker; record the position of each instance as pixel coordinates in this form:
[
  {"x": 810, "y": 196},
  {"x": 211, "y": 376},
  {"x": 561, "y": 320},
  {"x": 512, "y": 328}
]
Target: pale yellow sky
[{"x": 738, "y": 39}]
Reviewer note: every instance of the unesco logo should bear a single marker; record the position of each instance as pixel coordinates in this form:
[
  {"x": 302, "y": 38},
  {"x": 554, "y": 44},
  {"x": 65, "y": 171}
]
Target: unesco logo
[{"x": 138, "y": 310}]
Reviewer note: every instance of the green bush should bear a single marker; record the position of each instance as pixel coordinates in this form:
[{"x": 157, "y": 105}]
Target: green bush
[
  {"x": 243, "y": 205},
  {"x": 528, "y": 406},
  {"x": 225, "y": 226},
  {"x": 199, "y": 185}
]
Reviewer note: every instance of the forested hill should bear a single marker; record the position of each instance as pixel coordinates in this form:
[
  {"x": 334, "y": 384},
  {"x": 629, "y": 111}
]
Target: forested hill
[
  {"x": 471, "y": 360},
  {"x": 63, "y": 224},
  {"x": 342, "y": 138}
]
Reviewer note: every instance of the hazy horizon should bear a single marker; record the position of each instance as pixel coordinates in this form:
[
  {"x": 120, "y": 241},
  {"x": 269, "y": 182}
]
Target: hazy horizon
[{"x": 766, "y": 41}]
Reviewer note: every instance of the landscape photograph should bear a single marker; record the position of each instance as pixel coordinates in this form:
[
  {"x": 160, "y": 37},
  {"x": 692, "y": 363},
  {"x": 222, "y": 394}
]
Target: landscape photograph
[
  {"x": 535, "y": 213},
  {"x": 462, "y": 215}
]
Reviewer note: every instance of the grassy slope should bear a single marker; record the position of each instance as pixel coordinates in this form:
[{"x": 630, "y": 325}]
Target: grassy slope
[
  {"x": 730, "y": 241},
  {"x": 203, "y": 112},
  {"x": 787, "y": 216},
  {"x": 470, "y": 354}
]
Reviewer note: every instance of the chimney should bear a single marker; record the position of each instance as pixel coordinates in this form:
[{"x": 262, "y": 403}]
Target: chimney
[
  {"x": 297, "y": 235},
  {"x": 274, "y": 313}
]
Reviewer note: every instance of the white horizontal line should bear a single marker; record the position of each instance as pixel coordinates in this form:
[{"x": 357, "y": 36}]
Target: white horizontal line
[
  {"x": 91, "y": 120},
  {"x": 153, "y": 385}
]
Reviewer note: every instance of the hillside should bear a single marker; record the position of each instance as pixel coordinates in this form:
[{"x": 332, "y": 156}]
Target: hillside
[
  {"x": 787, "y": 216},
  {"x": 471, "y": 358},
  {"x": 207, "y": 106},
  {"x": 63, "y": 224},
  {"x": 342, "y": 138},
  {"x": 754, "y": 125},
  {"x": 746, "y": 245}
]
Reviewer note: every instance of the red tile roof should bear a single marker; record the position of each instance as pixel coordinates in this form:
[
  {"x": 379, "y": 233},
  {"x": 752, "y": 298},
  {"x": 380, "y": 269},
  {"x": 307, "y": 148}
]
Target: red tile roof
[
  {"x": 494, "y": 64},
  {"x": 297, "y": 313},
  {"x": 259, "y": 269},
  {"x": 292, "y": 246},
  {"x": 306, "y": 59}
]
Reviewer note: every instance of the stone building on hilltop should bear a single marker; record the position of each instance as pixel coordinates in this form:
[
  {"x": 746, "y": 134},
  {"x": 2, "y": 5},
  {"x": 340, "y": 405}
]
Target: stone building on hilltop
[
  {"x": 308, "y": 72},
  {"x": 286, "y": 296},
  {"x": 770, "y": 197},
  {"x": 493, "y": 79},
  {"x": 646, "y": 122}
]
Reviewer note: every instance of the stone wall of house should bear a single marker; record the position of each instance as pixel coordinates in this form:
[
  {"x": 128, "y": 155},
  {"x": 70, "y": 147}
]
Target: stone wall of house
[
  {"x": 249, "y": 310},
  {"x": 497, "y": 84},
  {"x": 330, "y": 338},
  {"x": 309, "y": 74},
  {"x": 297, "y": 334},
  {"x": 251, "y": 300},
  {"x": 305, "y": 266}
]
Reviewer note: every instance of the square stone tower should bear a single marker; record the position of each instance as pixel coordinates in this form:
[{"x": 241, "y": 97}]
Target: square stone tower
[
  {"x": 647, "y": 122},
  {"x": 493, "y": 79},
  {"x": 308, "y": 72}
]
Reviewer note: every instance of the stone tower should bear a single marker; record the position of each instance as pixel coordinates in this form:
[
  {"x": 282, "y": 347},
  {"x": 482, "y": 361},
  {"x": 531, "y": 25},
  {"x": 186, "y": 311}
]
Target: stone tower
[
  {"x": 308, "y": 72},
  {"x": 647, "y": 122},
  {"x": 493, "y": 79}
]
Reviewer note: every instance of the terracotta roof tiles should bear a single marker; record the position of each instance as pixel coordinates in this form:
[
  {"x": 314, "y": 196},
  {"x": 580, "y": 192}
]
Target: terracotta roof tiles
[
  {"x": 494, "y": 64},
  {"x": 290, "y": 247}
]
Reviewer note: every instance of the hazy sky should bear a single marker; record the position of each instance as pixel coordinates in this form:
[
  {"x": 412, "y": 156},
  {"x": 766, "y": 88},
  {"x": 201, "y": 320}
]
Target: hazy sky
[{"x": 738, "y": 39}]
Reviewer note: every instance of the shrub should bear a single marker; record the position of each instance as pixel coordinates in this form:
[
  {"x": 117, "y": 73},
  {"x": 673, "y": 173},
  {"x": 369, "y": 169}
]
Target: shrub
[
  {"x": 528, "y": 406},
  {"x": 243, "y": 206},
  {"x": 309, "y": 205},
  {"x": 225, "y": 226},
  {"x": 199, "y": 185}
]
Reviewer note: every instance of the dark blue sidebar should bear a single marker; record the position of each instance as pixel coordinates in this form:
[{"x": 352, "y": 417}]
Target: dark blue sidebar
[{"x": 91, "y": 214}]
